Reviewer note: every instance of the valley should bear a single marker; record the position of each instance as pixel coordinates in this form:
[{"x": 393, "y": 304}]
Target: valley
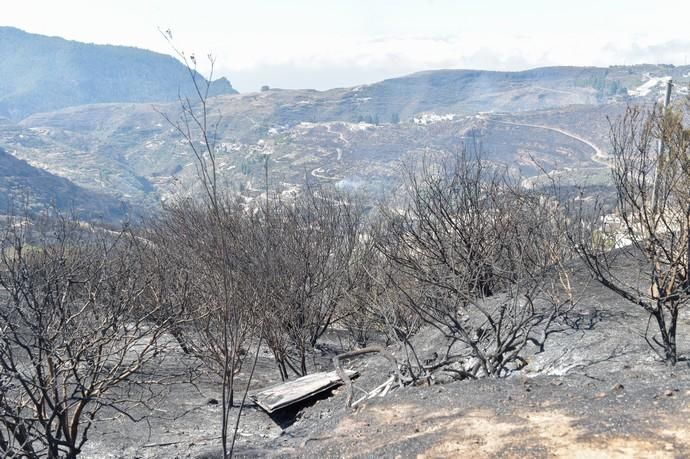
[
  {"x": 344, "y": 137},
  {"x": 444, "y": 263}
]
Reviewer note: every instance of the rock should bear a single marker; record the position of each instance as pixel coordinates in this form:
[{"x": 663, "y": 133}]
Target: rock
[
  {"x": 617, "y": 387},
  {"x": 470, "y": 363},
  {"x": 212, "y": 401},
  {"x": 668, "y": 393},
  {"x": 600, "y": 395},
  {"x": 443, "y": 378}
]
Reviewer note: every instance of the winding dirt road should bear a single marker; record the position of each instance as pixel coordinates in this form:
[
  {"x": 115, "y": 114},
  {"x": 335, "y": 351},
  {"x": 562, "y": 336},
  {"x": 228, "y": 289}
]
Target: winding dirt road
[{"x": 599, "y": 155}]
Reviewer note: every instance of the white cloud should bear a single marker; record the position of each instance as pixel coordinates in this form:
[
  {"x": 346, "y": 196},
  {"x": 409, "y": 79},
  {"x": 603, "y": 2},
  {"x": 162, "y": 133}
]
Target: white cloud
[
  {"x": 312, "y": 43},
  {"x": 354, "y": 60}
]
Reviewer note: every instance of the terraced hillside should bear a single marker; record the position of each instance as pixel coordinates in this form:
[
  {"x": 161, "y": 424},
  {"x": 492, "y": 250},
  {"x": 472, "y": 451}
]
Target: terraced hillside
[
  {"x": 552, "y": 118},
  {"x": 26, "y": 188}
]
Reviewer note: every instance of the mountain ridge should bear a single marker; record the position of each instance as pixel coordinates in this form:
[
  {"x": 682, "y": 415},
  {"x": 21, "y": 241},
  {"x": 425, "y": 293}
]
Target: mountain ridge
[
  {"x": 353, "y": 136},
  {"x": 41, "y": 74}
]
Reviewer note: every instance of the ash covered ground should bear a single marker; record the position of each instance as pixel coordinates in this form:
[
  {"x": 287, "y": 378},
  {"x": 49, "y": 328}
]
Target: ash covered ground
[{"x": 597, "y": 390}]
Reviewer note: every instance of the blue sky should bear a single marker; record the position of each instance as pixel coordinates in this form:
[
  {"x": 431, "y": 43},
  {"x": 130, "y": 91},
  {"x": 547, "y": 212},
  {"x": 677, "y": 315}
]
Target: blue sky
[{"x": 330, "y": 43}]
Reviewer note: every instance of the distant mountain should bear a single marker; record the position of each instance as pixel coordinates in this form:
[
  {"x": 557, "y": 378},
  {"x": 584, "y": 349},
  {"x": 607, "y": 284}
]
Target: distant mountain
[
  {"x": 22, "y": 184},
  {"x": 474, "y": 91},
  {"x": 352, "y": 137},
  {"x": 459, "y": 92},
  {"x": 40, "y": 74}
]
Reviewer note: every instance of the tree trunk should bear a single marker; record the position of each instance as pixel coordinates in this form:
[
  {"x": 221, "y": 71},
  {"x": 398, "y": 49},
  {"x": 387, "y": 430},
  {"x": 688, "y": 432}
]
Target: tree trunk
[
  {"x": 668, "y": 334},
  {"x": 303, "y": 361}
]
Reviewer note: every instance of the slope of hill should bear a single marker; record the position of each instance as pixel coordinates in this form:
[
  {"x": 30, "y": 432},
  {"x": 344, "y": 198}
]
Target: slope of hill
[
  {"x": 131, "y": 152},
  {"x": 23, "y": 185},
  {"x": 40, "y": 73},
  {"x": 595, "y": 390},
  {"x": 352, "y": 137},
  {"x": 462, "y": 92}
]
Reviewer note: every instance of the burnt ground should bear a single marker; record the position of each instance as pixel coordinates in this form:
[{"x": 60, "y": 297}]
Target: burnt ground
[{"x": 596, "y": 391}]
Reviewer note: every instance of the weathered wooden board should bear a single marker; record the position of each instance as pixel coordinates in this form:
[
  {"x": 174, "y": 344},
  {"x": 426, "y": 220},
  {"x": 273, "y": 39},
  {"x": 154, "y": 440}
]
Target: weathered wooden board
[{"x": 285, "y": 394}]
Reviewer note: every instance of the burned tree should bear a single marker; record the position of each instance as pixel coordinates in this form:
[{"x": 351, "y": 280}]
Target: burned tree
[
  {"x": 481, "y": 260},
  {"x": 224, "y": 327},
  {"x": 650, "y": 225},
  {"x": 187, "y": 237},
  {"x": 312, "y": 255},
  {"x": 374, "y": 305},
  {"x": 73, "y": 335}
]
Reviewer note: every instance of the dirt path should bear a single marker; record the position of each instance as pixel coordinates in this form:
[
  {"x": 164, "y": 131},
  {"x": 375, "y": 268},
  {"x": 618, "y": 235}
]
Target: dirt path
[{"x": 599, "y": 155}]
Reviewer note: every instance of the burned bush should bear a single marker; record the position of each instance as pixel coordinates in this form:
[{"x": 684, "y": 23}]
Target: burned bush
[
  {"x": 75, "y": 331},
  {"x": 480, "y": 259}
]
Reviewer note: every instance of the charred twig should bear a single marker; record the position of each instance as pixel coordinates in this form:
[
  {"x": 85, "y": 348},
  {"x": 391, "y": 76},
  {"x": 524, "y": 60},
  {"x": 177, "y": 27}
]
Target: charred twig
[{"x": 367, "y": 350}]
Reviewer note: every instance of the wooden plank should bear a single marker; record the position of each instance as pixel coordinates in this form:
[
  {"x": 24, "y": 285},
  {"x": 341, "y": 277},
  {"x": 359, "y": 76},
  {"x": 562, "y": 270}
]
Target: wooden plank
[{"x": 285, "y": 394}]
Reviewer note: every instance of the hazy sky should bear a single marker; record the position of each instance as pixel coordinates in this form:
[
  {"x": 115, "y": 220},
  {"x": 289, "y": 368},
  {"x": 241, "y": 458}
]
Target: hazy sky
[{"x": 328, "y": 43}]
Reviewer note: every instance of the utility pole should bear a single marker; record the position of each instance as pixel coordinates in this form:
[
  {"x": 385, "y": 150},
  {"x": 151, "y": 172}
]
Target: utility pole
[{"x": 660, "y": 153}]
